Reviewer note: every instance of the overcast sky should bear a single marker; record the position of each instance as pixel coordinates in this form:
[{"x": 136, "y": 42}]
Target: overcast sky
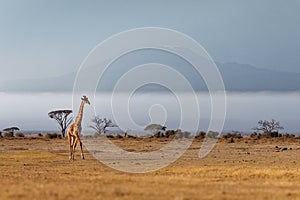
[{"x": 47, "y": 38}]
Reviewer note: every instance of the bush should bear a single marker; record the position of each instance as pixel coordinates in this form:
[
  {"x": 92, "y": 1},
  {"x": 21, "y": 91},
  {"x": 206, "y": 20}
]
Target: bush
[
  {"x": 232, "y": 135},
  {"x": 201, "y": 135},
  {"x": 118, "y": 136},
  {"x": 158, "y": 134},
  {"x": 212, "y": 134},
  {"x": 130, "y": 136},
  {"x": 274, "y": 134},
  {"x": 51, "y": 135},
  {"x": 48, "y": 136},
  {"x": 288, "y": 135},
  {"x": 184, "y": 134},
  {"x": 20, "y": 135},
  {"x": 256, "y": 136},
  {"x": 8, "y": 134},
  {"x": 40, "y": 135},
  {"x": 253, "y": 135},
  {"x": 231, "y": 140},
  {"x": 170, "y": 133}
]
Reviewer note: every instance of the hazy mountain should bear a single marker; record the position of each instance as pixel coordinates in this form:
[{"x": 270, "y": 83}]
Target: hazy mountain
[
  {"x": 242, "y": 77},
  {"x": 237, "y": 77},
  {"x": 59, "y": 83}
]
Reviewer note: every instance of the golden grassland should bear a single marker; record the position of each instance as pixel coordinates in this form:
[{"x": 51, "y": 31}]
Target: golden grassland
[{"x": 38, "y": 168}]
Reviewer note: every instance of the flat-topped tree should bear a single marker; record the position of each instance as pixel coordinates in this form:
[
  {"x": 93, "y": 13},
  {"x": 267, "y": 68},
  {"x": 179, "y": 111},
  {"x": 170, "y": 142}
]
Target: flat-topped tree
[
  {"x": 62, "y": 118},
  {"x": 156, "y": 129},
  {"x": 11, "y": 130}
]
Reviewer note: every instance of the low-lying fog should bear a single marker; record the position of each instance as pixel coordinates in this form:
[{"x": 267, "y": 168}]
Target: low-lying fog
[{"x": 29, "y": 111}]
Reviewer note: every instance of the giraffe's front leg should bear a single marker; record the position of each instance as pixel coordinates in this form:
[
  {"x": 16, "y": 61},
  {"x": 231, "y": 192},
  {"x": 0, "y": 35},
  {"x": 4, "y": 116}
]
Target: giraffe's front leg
[{"x": 71, "y": 142}]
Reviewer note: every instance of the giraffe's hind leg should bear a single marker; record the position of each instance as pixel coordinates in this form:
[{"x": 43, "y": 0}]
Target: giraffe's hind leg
[
  {"x": 74, "y": 144},
  {"x": 82, "y": 156}
]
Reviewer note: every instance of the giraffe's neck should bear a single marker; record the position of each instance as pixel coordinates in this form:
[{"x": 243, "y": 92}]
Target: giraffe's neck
[{"x": 80, "y": 113}]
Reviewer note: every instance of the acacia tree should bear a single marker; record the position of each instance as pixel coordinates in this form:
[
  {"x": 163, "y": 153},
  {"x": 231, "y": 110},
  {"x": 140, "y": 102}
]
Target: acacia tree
[
  {"x": 62, "y": 118},
  {"x": 11, "y": 130},
  {"x": 100, "y": 125},
  {"x": 268, "y": 127},
  {"x": 155, "y": 129}
]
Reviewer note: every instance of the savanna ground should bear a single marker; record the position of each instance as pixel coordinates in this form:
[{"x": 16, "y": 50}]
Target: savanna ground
[{"x": 38, "y": 168}]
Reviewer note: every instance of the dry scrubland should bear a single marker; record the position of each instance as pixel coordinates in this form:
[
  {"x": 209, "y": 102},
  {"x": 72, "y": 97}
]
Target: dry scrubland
[{"x": 38, "y": 168}]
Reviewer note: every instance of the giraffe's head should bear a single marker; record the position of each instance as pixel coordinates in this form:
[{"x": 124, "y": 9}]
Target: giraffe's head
[{"x": 85, "y": 100}]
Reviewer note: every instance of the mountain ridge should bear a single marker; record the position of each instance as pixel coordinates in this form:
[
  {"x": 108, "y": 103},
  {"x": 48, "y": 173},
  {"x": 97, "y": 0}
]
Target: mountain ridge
[{"x": 236, "y": 77}]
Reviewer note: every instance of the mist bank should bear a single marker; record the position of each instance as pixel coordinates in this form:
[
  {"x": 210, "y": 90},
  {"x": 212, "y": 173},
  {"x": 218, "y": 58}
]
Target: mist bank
[{"x": 29, "y": 111}]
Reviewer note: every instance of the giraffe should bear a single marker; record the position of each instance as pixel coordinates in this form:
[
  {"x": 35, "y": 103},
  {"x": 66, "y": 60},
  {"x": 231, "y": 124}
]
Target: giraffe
[{"x": 75, "y": 130}]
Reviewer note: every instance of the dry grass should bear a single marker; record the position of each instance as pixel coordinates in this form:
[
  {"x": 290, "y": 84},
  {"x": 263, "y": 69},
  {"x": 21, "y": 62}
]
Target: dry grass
[{"x": 38, "y": 168}]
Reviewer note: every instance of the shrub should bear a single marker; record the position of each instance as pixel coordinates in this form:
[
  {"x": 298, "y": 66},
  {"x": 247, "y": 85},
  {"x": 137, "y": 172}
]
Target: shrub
[
  {"x": 48, "y": 136},
  {"x": 51, "y": 135},
  {"x": 40, "y": 135},
  {"x": 201, "y": 135},
  {"x": 110, "y": 136},
  {"x": 130, "y": 136},
  {"x": 212, "y": 134},
  {"x": 158, "y": 134},
  {"x": 274, "y": 134},
  {"x": 232, "y": 135},
  {"x": 170, "y": 133},
  {"x": 288, "y": 135},
  {"x": 231, "y": 140},
  {"x": 20, "y": 135},
  {"x": 253, "y": 135},
  {"x": 118, "y": 136},
  {"x": 256, "y": 136},
  {"x": 8, "y": 134},
  {"x": 184, "y": 134}
]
